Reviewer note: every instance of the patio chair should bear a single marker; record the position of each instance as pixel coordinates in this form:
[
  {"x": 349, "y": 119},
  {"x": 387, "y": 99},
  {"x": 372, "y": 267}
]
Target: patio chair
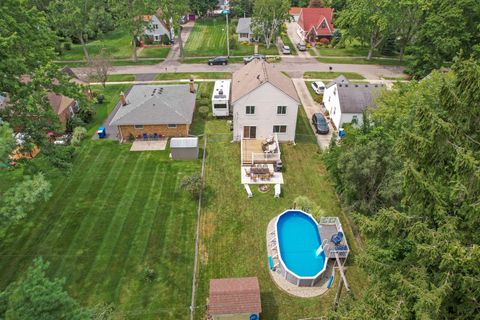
[
  {"x": 150, "y": 137},
  {"x": 337, "y": 238},
  {"x": 145, "y": 137},
  {"x": 139, "y": 136},
  {"x": 155, "y": 136}
]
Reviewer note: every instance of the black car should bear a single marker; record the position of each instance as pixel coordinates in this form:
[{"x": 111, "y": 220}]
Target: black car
[
  {"x": 255, "y": 56},
  {"x": 320, "y": 123},
  {"x": 218, "y": 61}
]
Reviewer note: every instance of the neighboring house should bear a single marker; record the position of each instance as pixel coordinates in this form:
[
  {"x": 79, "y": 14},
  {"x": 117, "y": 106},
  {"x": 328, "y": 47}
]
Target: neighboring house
[
  {"x": 295, "y": 13},
  {"x": 346, "y": 101},
  {"x": 161, "y": 110},
  {"x": 315, "y": 24},
  {"x": 224, "y": 4},
  {"x": 264, "y": 101},
  {"x": 157, "y": 28},
  {"x": 244, "y": 31},
  {"x": 234, "y": 299}
]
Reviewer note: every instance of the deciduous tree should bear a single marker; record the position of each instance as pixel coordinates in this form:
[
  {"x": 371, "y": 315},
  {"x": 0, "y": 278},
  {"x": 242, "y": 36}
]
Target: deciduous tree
[
  {"x": 100, "y": 67},
  {"x": 7, "y": 142},
  {"x": 268, "y": 17},
  {"x": 172, "y": 12}
]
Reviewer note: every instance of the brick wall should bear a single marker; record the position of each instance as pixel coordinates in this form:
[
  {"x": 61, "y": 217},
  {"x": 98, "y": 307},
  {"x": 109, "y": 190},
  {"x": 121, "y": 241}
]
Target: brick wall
[{"x": 161, "y": 129}]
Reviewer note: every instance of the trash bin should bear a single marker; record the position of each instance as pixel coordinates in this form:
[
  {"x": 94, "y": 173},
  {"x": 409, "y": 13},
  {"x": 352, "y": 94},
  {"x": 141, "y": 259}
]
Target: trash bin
[
  {"x": 341, "y": 132},
  {"x": 101, "y": 133}
]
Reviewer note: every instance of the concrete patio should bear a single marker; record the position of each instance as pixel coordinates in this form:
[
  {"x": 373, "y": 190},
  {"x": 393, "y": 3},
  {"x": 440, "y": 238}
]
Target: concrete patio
[{"x": 153, "y": 145}]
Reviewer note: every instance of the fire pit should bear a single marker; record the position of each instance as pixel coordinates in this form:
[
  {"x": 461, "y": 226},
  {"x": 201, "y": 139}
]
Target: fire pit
[{"x": 263, "y": 188}]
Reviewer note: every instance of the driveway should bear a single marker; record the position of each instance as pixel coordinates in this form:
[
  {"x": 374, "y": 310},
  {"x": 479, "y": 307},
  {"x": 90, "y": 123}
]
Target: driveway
[
  {"x": 292, "y": 34},
  {"x": 174, "y": 53},
  {"x": 311, "y": 107}
]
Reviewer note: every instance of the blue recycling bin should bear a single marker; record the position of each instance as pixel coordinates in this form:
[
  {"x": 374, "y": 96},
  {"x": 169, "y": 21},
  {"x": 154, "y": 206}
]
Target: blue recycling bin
[
  {"x": 101, "y": 133},
  {"x": 341, "y": 133}
]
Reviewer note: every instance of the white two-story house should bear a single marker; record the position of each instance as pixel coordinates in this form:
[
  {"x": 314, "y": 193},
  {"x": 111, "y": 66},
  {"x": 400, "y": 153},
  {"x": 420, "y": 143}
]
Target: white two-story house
[
  {"x": 264, "y": 102},
  {"x": 346, "y": 101},
  {"x": 156, "y": 28}
]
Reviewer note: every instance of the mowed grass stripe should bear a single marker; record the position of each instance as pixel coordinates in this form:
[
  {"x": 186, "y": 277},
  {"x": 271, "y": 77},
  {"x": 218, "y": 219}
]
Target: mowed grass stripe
[
  {"x": 207, "y": 38},
  {"x": 76, "y": 247},
  {"x": 142, "y": 234},
  {"x": 104, "y": 254},
  {"x": 34, "y": 245},
  {"x": 91, "y": 244}
]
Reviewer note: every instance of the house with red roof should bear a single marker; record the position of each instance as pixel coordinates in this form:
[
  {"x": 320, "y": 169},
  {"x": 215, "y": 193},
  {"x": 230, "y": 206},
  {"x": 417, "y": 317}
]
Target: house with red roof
[{"x": 315, "y": 24}]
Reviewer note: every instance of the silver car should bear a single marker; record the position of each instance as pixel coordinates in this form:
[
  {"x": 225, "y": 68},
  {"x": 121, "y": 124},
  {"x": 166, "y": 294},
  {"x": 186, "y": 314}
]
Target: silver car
[{"x": 286, "y": 50}]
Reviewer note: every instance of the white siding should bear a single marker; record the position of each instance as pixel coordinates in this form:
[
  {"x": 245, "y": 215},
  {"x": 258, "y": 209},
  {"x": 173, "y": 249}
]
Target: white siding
[
  {"x": 242, "y": 39},
  {"x": 266, "y": 99},
  {"x": 159, "y": 32},
  {"x": 332, "y": 104}
]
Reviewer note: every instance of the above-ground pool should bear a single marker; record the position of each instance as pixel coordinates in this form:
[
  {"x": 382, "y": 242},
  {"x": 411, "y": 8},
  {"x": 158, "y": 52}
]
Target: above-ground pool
[{"x": 298, "y": 241}]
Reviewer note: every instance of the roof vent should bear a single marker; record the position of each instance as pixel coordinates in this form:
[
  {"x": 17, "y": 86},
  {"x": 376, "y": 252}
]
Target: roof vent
[
  {"x": 220, "y": 91},
  {"x": 346, "y": 85},
  {"x": 376, "y": 86},
  {"x": 340, "y": 85},
  {"x": 366, "y": 86},
  {"x": 356, "y": 86}
]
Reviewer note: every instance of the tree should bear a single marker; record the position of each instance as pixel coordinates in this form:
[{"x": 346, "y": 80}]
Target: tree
[
  {"x": 268, "y": 17},
  {"x": 18, "y": 201},
  {"x": 21, "y": 50},
  {"x": 79, "y": 133},
  {"x": 423, "y": 248},
  {"x": 201, "y": 7},
  {"x": 370, "y": 20},
  {"x": 130, "y": 15},
  {"x": 316, "y": 4},
  {"x": 100, "y": 67},
  {"x": 193, "y": 184},
  {"x": 78, "y": 19},
  {"x": 7, "y": 142},
  {"x": 242, "y": 7},
  {"x": 172, "y": 12},
  {"x": 37, "y": 297}
]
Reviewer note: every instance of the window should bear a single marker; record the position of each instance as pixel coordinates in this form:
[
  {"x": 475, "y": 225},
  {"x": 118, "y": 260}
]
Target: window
[
  {"x": 157, "y": 38},
  {"x": 243, "y": 35},
  {"x": 220, "y": 106},
  {"x": 323, "y": 25},
  {"x": 155, "y": 26},
  {"x": 250, "y": 109},
  {"x": 279, "y": 129},
  {"x": 138, "y": 126},
  {"x": 282, "y": 110},
  {"x": 172, "y": 126},
  {"x": 355, "y": 119}
]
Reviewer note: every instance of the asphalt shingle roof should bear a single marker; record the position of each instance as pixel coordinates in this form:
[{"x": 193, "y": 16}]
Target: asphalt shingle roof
[
  {"x": 156, "y": 104},
  {"x": 354, "y": 98},
  {"x": 243, "y": 25},
  {"x": 255, "y": 74},
  {"x": 234, "y": 296}
]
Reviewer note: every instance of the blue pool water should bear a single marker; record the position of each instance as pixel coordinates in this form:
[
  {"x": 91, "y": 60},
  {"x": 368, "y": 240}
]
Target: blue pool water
[{"x": 299, "y": 239}]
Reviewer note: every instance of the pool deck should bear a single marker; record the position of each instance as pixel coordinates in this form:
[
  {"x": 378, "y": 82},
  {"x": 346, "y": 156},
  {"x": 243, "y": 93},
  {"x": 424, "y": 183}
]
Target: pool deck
[{"x": 303, "y": 292}]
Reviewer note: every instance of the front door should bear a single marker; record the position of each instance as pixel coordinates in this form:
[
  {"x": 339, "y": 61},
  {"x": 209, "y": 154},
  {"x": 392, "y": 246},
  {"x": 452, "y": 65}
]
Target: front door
[{"x": 249, "y": 132}]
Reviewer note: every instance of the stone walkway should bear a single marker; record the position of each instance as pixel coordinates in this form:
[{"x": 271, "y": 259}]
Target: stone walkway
[{"x": 302, "y": 292}]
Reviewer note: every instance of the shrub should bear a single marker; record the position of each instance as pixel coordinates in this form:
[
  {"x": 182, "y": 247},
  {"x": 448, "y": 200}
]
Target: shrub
[
  {"x": 100, "y": 99},
  {"x": 59, "y": 156},
  {"x": 193, "y": 184},
  {"x": 67, "y": 46},
  {"x": 324, "y": 41},
  {"x": 79, "y": 133},
  {"x": 131, "y": 137},
  {"x": 74, "y": 122},
  {"x": 86, "y": 113},
  {"x": 165, "y": 39}
]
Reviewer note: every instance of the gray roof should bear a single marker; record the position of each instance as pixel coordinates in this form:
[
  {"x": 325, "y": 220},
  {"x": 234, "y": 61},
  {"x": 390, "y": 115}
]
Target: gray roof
[
  {"x": 243, "y": 25},
  {"x": 354, "y": 98},
  {"x": 156, "y": 104},
  {"x": 340, "y": 79},
  {"x": 191, "y": 142}
]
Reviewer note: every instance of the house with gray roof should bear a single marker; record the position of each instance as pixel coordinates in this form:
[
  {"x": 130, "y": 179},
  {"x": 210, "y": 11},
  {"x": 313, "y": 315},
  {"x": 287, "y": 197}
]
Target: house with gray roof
[
  {"x": 155, "y": 111},
  {"x": 345, "y": 101},
  {"x": 264, "y": 103},
  {"x": 244, "y": 30}
]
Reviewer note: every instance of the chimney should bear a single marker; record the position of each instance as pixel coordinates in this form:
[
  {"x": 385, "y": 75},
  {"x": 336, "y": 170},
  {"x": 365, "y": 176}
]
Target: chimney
[
  {"x": 192, "y": 85},
  {"x": 122, "y": 99}
]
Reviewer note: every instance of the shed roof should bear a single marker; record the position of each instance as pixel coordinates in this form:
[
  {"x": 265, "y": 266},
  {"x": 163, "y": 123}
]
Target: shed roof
[
  {"x": 257, "y": 73},
  {"x": 156, "y": 104},
  {"x": 191, "y": 142},
  {"x": 243, "y": 25},
  {"x": 234, "y": 296}
]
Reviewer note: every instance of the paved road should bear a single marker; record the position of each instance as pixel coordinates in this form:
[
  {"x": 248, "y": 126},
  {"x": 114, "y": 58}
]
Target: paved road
[{"x": 311, "y": 107}]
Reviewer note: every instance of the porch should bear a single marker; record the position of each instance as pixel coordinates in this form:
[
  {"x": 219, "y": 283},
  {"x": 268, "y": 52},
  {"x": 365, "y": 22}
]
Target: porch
[{"x": 255, "y": 151}]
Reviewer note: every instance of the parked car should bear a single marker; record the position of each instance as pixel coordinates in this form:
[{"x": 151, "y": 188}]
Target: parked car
[
  {"x": 218, "y": 61},
  {"x": 255, "y": 56},
  {"x": 301, "y": 46},
  {"x": 320, "y": 123},
  {"x": 318, "y": 87},
  {"x": 286, "y": 49}
]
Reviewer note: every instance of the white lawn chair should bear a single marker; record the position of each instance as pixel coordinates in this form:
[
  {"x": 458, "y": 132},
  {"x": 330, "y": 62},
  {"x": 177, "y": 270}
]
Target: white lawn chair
[
  {"x": 249, "y": 192},
  {"x": 278, "y": 191}
]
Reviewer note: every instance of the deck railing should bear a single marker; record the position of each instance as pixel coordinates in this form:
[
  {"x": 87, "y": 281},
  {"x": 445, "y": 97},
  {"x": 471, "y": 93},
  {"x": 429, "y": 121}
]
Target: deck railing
[{"x": 335, "y": 221}]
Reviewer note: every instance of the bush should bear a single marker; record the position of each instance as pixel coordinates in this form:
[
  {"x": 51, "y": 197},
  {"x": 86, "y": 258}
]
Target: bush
[
  {"x": 67, "y": 46},
  {"x": 100, "y": 99},
  {"x": 204, "y": 102},
  {"x": 131, "y": 137},
  {"x": 59, "y": 156},
  {"x": 165, "y": 39},
  {"x": 86, "y": 113},
  {"x": 79, "y": 133},
  {"x": 193, "y": 184},
  {"x": 74, "y": 122},
  {"x": 205, "y": 95},
  {"x": 58, "y": 48}
]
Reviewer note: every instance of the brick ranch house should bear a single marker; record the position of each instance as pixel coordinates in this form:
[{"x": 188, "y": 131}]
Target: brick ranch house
[
  {"x": 150, "y": 111},
  {"x": 315, "y": 24}
]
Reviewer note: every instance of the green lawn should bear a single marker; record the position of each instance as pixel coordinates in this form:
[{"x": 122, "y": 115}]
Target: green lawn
[
  {"x": 114, "y": 214},
  {"x": 120, "y": 77},
  {"x": 262, "y": 49},
  {"x": 117, "y": 43},
  {"x": 205, "y": 60},
  {"x": 332, "y": 75},
  {"x": 233, "y": 227},
  {"x": 347, "y": 60},
  {"x": 154, "y": 52},
  {"x": 208, "y": 38},
  {"x": 114, "y": 63},
  {"x": 195, "y": 75},
  {"x": 286, "y": 41}
]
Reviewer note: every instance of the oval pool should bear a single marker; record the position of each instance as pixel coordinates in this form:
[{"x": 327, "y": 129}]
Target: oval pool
[{"x": 298, "y": 242}]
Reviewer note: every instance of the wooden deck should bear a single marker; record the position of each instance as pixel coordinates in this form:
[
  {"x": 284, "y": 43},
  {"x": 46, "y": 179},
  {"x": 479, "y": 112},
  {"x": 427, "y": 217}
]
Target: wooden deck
[{"x": 252, "y": 153}]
